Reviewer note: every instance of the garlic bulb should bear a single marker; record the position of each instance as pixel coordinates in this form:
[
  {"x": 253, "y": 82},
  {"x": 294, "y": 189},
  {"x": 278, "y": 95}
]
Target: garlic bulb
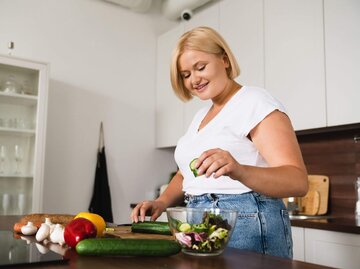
[
  {"x": 43, "y": 232},
  {"x": 29, "y": 229},
  {"x": 57, "y": 236}
]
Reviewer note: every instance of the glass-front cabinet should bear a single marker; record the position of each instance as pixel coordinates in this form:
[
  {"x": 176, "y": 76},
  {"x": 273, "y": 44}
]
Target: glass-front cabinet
[{"x": 23, "y": 108}]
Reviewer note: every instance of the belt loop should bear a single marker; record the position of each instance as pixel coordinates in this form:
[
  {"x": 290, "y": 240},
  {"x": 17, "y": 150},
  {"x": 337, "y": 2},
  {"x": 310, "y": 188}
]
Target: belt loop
[{"x": 215, "y": 199}]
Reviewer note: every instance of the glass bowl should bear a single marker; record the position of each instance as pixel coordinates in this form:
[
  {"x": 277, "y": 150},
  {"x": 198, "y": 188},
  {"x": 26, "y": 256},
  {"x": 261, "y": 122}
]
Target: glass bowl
[{"x": 201, "y": 231}]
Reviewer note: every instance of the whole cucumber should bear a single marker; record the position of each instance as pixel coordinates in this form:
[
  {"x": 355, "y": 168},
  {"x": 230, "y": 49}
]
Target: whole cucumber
[
  {"x": 127, "y": 247},
  {"x": 152, "y": 227}
]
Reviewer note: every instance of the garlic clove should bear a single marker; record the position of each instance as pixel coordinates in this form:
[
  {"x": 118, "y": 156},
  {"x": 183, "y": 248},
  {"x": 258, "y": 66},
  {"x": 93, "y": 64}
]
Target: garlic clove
[
  {"x": 57, "y": 236},
  {"x": 43, "y": 232},
  {"x": 41, "y": 248},
  {"x": 29, "y": 229},
  {"x": 51, "y": 225}
]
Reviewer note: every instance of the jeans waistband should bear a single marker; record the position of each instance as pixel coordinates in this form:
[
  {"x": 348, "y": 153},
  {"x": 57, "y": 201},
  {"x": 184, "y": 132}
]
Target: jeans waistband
[{"x": 215, "y": 196}]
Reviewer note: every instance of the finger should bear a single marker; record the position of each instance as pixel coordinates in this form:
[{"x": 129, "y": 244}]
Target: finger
[
  {"x": 204, "y": 156},
  {"x": 215, "y": 166},
  {"x": 207, "y": 163},
  {"x": 222, "y": 171},
  {"x": 145, "y": 207},
  {"x": 135, "y": 213},
  {"x": 155, "y": 215}
]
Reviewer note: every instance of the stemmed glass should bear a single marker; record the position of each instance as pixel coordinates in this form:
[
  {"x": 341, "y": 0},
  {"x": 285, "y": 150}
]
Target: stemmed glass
[
  {"x": 18, "y": 158},
  {"x": 2, "y": 159}
]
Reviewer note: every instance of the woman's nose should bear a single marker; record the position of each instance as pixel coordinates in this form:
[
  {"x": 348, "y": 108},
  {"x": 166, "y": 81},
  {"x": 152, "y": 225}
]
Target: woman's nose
[{"x": 195, "y": 79}]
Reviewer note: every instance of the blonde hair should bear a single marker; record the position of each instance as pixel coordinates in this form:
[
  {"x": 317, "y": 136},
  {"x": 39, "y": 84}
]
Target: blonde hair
[{"x": 203, "y": 39}]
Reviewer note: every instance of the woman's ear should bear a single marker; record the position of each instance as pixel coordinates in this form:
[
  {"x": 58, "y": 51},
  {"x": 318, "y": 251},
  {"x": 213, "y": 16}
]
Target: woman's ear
[{"x": 226, "y": 61}]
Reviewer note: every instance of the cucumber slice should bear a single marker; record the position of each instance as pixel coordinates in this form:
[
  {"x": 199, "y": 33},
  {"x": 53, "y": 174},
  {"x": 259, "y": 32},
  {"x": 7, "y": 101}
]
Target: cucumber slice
[
  {"x": 184, "y": 227},
  {"x": 192, "y": 167}
]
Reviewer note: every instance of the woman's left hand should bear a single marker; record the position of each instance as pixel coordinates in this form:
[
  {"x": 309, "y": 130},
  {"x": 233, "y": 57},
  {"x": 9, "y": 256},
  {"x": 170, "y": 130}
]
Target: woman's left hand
[{"x": 217, "y": 162}]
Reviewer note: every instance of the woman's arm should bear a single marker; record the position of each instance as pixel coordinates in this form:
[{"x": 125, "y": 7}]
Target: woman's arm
[
  {"x": 276, "y": 141},
  {"x": 173, "y": 195}
]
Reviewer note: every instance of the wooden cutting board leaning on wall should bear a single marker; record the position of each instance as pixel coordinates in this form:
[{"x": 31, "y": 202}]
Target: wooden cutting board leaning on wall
[{"x": 315, "y": 202}]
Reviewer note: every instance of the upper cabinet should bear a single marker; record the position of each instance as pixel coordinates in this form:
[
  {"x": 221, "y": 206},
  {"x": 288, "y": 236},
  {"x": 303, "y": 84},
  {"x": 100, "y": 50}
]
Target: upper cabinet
[
  {"x": 23, "y": 102},
  {"x": 242, "y": 26},
  {"x": 294, "y": 59},
  {"x": 169, "y": 108},
  {"x": 342, "y": 43},
  {"x": 304, "y": 52}
]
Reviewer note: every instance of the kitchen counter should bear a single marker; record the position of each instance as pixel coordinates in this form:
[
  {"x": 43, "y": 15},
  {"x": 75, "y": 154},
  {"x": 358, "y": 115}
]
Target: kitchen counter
[
  {"x": 336, "y": 224},
  {"x": 230, "y": 259}
]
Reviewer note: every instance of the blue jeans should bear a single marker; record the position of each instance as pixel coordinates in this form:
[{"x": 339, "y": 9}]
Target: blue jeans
[{"x": 263, "y": 223}]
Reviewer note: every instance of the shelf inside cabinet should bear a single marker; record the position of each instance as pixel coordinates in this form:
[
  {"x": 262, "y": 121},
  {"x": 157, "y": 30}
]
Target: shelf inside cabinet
[
  {"x": 12, "y": 176},
  {"x": 17, "y": 132},
  {"x": 18, "y": 99}
]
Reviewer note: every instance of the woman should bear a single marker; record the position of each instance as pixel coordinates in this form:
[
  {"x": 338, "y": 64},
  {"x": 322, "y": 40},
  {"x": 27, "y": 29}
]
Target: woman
[{"x": 248, "y": 155}]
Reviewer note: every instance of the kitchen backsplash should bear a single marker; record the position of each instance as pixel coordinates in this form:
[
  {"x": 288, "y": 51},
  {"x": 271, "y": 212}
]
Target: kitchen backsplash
[{"x": 334, "y": 152}]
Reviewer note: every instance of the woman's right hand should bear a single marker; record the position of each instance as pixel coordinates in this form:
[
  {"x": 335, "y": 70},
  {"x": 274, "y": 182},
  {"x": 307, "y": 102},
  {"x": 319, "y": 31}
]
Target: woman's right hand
[{"x": 155, "y": 208}]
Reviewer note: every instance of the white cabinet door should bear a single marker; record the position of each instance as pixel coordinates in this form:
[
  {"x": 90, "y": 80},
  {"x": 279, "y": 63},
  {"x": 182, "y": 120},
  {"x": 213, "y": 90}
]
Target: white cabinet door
[
  {"x": 294, "y": 59},
  {"x": 339, "y": 250},
  {"x": 298, "y": 237},
  {"x": 342, "y": 43},
  {"x": 23, "y": 108},
  {"x": 169, "y": 108},
  {"x": 242, "y": 26}
]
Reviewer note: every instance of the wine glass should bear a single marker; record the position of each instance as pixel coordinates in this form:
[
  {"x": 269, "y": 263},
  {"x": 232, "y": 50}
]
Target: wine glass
[
  {"x": 5, "y": 203},
  {"x": 18, "y": 158},
  {"x": 2, "y": 159},
  {"x": 21, "y": 203}
]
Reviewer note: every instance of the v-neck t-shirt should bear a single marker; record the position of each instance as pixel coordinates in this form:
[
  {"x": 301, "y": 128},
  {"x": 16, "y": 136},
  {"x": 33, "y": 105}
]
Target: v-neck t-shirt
[{"x": 229, "y": 131}]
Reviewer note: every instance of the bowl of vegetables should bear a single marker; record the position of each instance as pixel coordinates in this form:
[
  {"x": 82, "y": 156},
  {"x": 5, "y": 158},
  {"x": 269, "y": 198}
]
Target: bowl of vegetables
[{"x": 201, "y": 231}]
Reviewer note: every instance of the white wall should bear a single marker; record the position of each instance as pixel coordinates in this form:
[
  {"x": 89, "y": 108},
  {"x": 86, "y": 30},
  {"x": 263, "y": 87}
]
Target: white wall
[{"x": 103, "y": 61}]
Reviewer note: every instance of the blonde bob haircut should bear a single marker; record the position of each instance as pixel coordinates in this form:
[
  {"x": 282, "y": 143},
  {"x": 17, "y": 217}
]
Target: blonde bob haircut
[{"x": 203, "y": 39}]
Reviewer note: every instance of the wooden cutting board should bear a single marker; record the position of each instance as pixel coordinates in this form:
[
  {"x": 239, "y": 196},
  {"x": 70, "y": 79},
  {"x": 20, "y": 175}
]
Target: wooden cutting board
[
  {"x": 319, "y": 184},
  {"x": 125, "y": 232},
  {"x": 315, "y": 202}
]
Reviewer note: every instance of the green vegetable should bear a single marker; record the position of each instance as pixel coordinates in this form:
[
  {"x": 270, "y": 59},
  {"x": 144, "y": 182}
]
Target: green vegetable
[
  {"x": 127, "y": 247},
  {"x": 199, "y": 228},
  {"x": 209, "y": 236},
  {"x": 184, "y": 227},
  {"x": 192, "y": 167},
  {"x": 151, "y": 227}
]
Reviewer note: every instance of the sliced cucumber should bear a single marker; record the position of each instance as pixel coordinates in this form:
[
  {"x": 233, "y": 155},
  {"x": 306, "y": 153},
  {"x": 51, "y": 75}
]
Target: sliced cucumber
[
  {"x": 192, "y": 167},
  {"x": 184, "y": 227}
]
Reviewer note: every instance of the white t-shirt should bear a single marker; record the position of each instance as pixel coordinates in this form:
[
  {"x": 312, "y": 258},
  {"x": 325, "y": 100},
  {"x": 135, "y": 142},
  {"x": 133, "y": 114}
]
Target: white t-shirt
[{"x": 228, "y": 130}]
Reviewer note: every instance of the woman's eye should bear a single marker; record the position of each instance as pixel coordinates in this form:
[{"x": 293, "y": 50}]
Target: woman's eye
[
  {"x": 185, "y": 75},
  {"x": 201, "y": 67}
]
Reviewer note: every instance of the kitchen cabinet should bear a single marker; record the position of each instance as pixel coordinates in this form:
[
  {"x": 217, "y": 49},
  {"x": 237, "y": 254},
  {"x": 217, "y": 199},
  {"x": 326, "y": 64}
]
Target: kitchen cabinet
[
  {"x": 242, "y": 26},
  {"x": 340, "y": 250},
  {"x": 298, "y": 236},
  {"x": 335, "y": 249},
  {"x": 169, "y": 108},
  {"x": 23, "y": 105},
  {"x": 342, "y": 42},
  {"x": 294, "y": 59}
]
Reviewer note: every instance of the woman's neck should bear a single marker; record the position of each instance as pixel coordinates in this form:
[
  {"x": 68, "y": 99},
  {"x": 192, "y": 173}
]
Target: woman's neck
[{"x": 220, "y": 100}]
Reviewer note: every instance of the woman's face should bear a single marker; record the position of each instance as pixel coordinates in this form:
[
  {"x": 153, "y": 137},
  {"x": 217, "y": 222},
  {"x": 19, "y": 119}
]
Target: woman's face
[{"x": 203, "y": 74}]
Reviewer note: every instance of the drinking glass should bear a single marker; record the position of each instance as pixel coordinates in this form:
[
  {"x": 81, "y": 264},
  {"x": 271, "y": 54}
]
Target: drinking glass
[
  {"x": 5, "y": 203},
  {"x": 18, "y": 158},
  {"x": 2, "y": 159},
  {"x": 21, "y": 203}
]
